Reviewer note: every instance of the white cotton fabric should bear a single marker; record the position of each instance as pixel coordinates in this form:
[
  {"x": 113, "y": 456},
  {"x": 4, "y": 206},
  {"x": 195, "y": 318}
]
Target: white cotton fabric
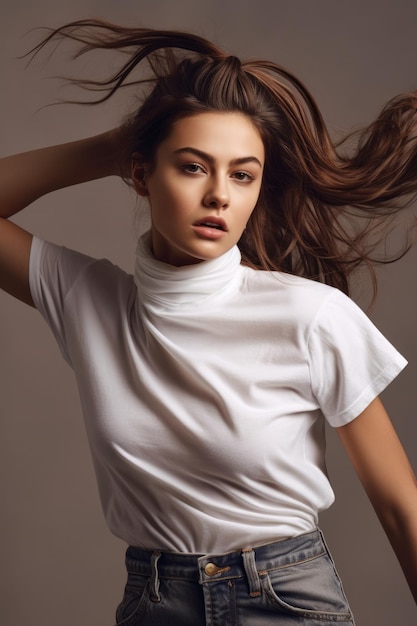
[{"x": 204, "y": 389}]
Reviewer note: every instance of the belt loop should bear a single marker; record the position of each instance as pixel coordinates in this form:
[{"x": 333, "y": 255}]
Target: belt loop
[
  {"x": 154, "y": 582},
  {"x": 249, "y": 564}
]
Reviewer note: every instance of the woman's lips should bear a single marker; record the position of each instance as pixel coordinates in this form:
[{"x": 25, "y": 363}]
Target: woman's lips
[
  {"x": 205, "y": 231},
  {"x": 210, "y": 227},
  {"x": 212, "y": 221}
]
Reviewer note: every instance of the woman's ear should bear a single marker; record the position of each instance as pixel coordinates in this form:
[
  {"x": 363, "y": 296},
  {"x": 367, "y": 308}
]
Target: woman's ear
[{"x": 139, "y": 171}]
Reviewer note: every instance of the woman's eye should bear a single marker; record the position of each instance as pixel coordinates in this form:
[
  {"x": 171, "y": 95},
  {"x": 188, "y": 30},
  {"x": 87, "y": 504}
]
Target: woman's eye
[
  {"x": 192, "y": 168},
  {"x": 243, "y": 176}
]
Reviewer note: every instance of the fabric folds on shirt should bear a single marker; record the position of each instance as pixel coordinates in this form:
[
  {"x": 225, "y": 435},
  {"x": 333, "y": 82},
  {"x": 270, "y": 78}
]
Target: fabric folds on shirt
[{"x": 164, "y": 285}]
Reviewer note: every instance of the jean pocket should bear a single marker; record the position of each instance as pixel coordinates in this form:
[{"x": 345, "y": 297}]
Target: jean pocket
[
  {"x": 311, "y": 589},
  {"x": 134, "y": 602}
]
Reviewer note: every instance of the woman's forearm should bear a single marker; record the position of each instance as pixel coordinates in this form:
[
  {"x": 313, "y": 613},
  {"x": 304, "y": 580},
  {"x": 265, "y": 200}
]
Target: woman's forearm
[
  {"x": 26, "y": 177},
  {"x": 401, "y": 530}
]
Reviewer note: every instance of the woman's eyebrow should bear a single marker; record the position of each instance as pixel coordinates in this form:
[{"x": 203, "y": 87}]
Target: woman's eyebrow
[{"x": 207, "y": 157}]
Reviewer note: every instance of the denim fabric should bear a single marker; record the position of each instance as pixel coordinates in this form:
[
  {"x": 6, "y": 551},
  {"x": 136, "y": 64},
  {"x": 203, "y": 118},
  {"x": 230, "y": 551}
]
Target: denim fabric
[{"x": 289, "y": 582}]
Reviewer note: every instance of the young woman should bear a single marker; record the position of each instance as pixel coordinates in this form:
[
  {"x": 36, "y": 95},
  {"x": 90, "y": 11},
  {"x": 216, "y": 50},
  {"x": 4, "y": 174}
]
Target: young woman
[{"x": 205, "y": 378}]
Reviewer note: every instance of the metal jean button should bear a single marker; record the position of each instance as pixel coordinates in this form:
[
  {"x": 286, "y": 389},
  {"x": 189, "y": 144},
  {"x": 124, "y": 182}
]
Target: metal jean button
[{"x": 211, "y": 569}]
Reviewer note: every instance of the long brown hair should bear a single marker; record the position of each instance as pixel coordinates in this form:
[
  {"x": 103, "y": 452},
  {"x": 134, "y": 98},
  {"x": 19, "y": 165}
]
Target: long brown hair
[{"x": 319, "y": 209}]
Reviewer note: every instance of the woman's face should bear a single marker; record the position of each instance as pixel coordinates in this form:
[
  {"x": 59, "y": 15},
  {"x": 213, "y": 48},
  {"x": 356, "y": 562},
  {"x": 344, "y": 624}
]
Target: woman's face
[{"x": 203, "y": 186}]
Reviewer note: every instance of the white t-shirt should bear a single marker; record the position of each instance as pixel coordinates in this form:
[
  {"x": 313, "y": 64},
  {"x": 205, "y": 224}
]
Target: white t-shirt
[{"x": 204, "y": 389}]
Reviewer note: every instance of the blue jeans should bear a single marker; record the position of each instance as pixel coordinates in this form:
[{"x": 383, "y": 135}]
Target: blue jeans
[{"x": 289, "y": 582}]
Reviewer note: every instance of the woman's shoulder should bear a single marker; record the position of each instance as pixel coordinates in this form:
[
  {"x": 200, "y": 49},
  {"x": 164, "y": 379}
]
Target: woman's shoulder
[
  {"x": 63, "y": 268},
  {"x": 281, "y": 287},
  {"x": 61, "y": 257},
  {"x": 292, "y": 302}
]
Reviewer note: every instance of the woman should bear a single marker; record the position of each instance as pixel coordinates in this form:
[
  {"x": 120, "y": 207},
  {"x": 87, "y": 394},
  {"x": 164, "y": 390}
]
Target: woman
[{"x": 206, "y": 377}]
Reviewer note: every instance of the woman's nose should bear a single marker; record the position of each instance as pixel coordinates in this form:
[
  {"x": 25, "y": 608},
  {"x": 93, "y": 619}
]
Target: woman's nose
[{"x": 217, "y": 195}]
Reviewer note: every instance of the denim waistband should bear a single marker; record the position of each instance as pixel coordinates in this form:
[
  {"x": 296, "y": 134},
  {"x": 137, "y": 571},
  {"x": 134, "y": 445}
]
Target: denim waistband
[{"x": 205, "y": 568}]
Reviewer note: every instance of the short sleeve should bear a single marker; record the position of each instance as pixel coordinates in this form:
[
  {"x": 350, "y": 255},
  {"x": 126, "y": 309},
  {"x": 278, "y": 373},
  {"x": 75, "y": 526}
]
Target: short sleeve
[
  {"x": 53, "y": 270},
  {"x": 351, "y": 362}
]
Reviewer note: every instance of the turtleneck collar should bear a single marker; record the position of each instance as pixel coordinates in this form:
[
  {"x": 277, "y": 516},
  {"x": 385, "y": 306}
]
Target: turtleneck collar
[{"x": 166, "y": 286}]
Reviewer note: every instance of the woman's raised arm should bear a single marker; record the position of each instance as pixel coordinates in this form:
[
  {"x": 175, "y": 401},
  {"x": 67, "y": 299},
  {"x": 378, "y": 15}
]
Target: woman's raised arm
[{"x": 26, "y": 177}]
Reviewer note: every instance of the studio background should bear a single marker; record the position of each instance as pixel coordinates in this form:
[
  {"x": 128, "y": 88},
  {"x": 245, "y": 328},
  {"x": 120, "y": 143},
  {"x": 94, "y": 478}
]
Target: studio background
[{"x": 59, "y": 564}]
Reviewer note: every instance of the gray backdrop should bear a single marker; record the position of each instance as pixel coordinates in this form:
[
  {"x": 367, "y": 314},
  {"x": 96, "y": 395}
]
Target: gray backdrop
[{"x": 59, "y": 563}]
